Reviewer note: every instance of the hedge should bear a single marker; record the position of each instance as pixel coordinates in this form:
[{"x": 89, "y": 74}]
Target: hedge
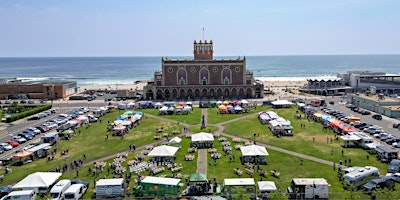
[{"x": 28, "y": 113}]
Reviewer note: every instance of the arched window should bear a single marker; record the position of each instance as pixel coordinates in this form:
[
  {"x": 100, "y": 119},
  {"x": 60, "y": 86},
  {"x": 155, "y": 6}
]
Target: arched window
[
  {"x": 181, "y": 77},
  {"x": 204, "y": 77},
  {"x": 226, "y": 76}
]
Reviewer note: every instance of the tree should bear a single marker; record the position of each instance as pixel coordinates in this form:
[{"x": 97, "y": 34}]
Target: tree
[
  {"x": 352, "y": 195},
  {"x": 241, "y": 195},
  {"x": 277, "y": 196},
  {"x": 385, "y": 194}
]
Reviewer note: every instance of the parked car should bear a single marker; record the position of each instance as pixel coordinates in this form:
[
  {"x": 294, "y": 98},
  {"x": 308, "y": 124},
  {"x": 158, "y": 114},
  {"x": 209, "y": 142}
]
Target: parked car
[
  {"x": 5, "y": 190},
  {"x": 35, "y": 117},
  {"x": 31, "y": 102},
  {"x": 392, "y": 139},
  {"x": 29, "y": 132},
  {"x": 396, "y": 125},
  {"x": 396, "y": 144},
  {"x": 12, "y": 143},
  {"x": 80, "y": 182},
  {"x": 19, "y": 139},
  {"x": 377, "y": 117},
  {"x": 365, "y": 112},
  {"x": 35, "y": 130},
  {"x": 26, "y": 135},
  {"x": 379, "y": 183},
  {"x": 5, "y": 146},
  {"x": 42, "y": 129},
  {"x": 395, "y": 176}
]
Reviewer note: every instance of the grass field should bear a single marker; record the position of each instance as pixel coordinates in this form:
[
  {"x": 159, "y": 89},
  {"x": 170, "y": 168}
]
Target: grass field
[{"x": 91, "y": 142}]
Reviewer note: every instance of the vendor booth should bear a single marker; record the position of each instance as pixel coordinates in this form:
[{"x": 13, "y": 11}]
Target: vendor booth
[
  {"x": 198, "y": 185},
  {"x": 152, "y": 186},
  {"x": 202, "y": 140},
  {"x": 163, "y": 155},
  {"x": 222, "y": 109},
  {"x": 266, "y": 187},
  {"x": 175, "y": 141},
  {"x": 233, "y": 186},
  {"x": 22, "y": 157},
  {"x": 254, "y": 154},
  {"x": 39, "y": 181},
  {"x": 163, "y": 110},
  {"x": 281, "y": 104},
  {"x": 40, "y": 151}
]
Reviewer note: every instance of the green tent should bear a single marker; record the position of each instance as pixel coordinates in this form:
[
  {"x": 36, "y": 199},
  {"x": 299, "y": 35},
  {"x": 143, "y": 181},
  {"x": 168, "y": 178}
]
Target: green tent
[
  {"x": 198, "y": 177},
  {"x": 128, "y": 113},
  {"x": 69, "y": 131}
]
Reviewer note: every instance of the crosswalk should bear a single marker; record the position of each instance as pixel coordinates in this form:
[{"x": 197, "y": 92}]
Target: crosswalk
[{"x": 3, "y": 132}]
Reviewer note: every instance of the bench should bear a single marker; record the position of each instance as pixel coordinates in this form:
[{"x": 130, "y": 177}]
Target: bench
[{"x": 249, "y": 171}]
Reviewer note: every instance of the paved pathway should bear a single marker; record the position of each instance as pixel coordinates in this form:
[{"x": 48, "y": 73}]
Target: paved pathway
[
  {"x": 202, "y": 153},
  {"x": 221, "y": 129},
  {"x": 202, "y": 161}
]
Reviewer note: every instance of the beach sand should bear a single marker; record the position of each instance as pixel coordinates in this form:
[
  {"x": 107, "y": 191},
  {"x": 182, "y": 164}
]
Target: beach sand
[{"x": 139, "y": 85}]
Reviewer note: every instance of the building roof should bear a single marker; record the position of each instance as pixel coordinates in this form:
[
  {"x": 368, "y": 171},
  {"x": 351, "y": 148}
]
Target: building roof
[
  {"x": 161, "y": 180},
  {"x": 163, "y": 151},
  {"x": 266, "y": 186},
  {"x": 239, "y": 181},
  {"x": 20, "y": 83},
  {"x": 310, "y": 181},
  {"x": 110, "y": 181}
]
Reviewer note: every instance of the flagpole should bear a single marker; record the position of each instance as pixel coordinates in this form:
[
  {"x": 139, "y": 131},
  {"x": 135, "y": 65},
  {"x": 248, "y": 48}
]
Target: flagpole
[{"x": 203, "y": 33}]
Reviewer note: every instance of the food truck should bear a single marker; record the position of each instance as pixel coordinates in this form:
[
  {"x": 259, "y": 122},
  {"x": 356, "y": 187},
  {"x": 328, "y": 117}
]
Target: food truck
[
  {"x": 152, "y": 186},
  {"x": 50, "y": 138},
  {"x": 232, "y": 186},
  {"x": 109, "y": 188},
  {"x": 308, "y": 188}
]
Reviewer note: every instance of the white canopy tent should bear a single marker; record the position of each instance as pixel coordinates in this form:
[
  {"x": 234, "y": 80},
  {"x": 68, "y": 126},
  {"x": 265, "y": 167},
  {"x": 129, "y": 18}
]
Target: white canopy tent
[
  {"x": 175, "y": 140},
  {"x": 158, "y": 105},
  {"x": 202, "y": 136},
  {"x": 37, "y": 180},
  {"x": 265, "y": 186},
  {"x": 202, "y": 140},
  {"x": 164, "y": 151},
  {"x": 254, "y": 150},
  {"x": 281, "y": 103}
]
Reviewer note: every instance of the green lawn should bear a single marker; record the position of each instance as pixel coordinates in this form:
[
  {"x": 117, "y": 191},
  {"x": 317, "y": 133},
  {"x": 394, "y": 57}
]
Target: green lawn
[
  {"x": 91, "y": 142},
  {"x": 213, "y": 117},
  {"x": 302, "y": 142},
  {"x": 194, "y": 117}
]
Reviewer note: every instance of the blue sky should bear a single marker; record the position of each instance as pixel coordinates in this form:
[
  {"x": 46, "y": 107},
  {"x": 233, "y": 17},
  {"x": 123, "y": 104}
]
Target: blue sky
[{"x": 168, "y": 28}]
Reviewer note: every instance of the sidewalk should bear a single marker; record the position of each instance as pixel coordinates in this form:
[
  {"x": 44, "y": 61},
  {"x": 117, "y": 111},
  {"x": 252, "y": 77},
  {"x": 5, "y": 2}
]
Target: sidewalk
[{"x": 202, "y": 153}]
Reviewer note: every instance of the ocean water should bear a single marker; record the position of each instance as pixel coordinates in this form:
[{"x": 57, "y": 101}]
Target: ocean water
[{"x": 127, "y": 70}]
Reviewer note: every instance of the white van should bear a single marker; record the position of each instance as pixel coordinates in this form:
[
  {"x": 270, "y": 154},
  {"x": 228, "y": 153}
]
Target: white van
[
  {"x": 21, "y": 195},
  {"x": 58, "y": 190},
  {"x": 75, "y": 192}
]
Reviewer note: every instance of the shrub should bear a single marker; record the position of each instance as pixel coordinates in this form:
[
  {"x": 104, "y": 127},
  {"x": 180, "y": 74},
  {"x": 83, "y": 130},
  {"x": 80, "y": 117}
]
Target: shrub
[{"x": 28, "y": 113}]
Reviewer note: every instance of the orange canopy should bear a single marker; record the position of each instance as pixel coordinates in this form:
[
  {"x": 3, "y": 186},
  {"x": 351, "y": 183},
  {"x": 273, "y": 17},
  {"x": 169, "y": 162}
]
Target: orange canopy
[{"x": 22, "y": 154}]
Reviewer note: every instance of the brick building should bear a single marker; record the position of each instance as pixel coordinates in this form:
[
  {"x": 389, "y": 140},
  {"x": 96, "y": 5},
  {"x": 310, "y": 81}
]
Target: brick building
[
  {"x": 203, "y": 77},
  {"x": 37, "y": 90}
]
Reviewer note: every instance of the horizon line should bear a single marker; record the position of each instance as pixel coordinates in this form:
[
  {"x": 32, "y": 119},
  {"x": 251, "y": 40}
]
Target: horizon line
[{"x": 126, "y": 56}]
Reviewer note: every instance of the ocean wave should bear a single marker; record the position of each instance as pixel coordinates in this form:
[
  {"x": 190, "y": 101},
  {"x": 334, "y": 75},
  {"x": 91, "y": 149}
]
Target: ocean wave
[
  {"x": 28, "y": 79},
  {"x": 295, "y": 78}
]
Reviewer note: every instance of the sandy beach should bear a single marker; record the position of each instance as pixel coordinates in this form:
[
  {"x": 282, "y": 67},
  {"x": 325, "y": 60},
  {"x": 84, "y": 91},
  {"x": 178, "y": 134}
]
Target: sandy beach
[{"x": 140, "y": 85}]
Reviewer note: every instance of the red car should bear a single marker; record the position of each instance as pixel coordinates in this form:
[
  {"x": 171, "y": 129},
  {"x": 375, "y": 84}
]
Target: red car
[{"x": 12, "y": 143}]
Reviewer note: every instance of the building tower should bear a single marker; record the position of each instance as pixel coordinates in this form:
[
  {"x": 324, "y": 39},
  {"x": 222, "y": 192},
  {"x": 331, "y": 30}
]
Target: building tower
[{"x": 203, "y": 50}]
